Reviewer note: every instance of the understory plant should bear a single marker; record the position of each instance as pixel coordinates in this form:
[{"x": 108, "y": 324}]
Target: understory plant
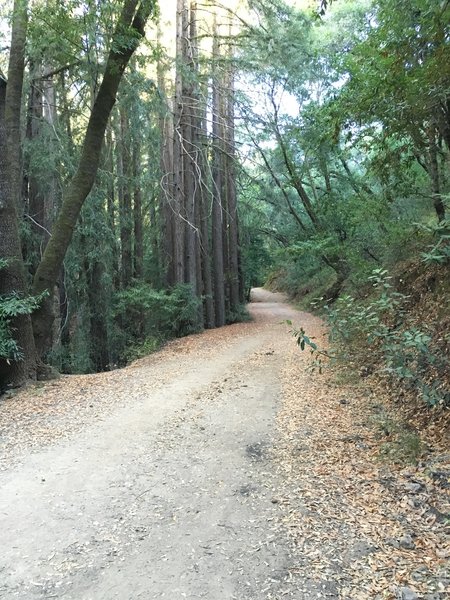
[
  {"x": 376, "y": 335},
  {"x": 379, "y": 326},
  {"x": 439, "y": 251},
  {"x": 11, "y": 306},
  {"x": 146, "y": 317}
]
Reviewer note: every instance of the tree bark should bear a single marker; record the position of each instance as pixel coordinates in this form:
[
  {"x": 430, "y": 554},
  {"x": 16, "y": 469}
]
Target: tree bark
[
  {"x": 178, "y": 249},
  {"x": 125, "y": 213},
  {"x": 137, "y": 214},
  {"x": 189, "y": 167},
  {"x": 13, "y": 100},
  {"x": 166, "y": 199},
  {"x": 203, "y": 199},
  {"x": 33, "y": 195},
  {"x": 217, "y": 215},
  {"x": 13, "y": 277},
  {"x": 433, "y": 169},
  {"x": 233, "y": 237}
]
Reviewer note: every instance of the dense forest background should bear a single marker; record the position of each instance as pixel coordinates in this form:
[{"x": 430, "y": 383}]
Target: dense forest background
[{"x": 157, "y": 162}]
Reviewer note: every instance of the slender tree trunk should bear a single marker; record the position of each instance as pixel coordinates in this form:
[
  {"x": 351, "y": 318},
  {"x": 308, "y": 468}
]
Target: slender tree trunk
[
  {"x": 217, "y": 215},
  {"x": 137, "y": 214},
  {"x": 112, "y": 183},
  {"x": 188, "y": 152},
  {"x": 165, "y": 197},
  {"x": 230, "y": 172},
  {"x": 98, "y": 342},
  {"x": 13, "y": 100},
  {"x": 125, "y": 212},
  {"x": 129, "y": 31},
  {"x": 33, "y": 196},
  {"x": 196, "y": 157},
  {"x": 225, "y": 214},
  {"x": 434, "y": 176},
  {"x": 203, "y": 199},
  {"x": 178, "y": 250},
  {"x": 64, "y": 308}
]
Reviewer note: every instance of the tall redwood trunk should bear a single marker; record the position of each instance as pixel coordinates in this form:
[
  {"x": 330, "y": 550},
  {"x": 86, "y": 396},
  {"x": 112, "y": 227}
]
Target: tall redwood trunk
[
  {"x": 203, "y": 200},
  {"x": 137, "y": 214},
  {"x": 217, "y": 175},
  {"x": 125, "y": 212},
  {"x": 188, "y": 150},
  {"x": 165, "y": 197},
  {"x": 13, "y": 278},
  {"x": 230, "y": 171},
  {"x": 178, "y": 249}
]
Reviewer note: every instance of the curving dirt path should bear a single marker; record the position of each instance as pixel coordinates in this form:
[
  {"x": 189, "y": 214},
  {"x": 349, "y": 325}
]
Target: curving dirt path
[
  {"x": 166, "y": 489},
  {"x": 193, "y": 473}
]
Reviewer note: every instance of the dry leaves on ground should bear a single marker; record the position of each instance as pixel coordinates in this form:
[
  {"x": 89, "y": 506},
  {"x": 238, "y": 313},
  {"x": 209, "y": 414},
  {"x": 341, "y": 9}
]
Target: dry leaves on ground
[{"x": 382, "y": 529}]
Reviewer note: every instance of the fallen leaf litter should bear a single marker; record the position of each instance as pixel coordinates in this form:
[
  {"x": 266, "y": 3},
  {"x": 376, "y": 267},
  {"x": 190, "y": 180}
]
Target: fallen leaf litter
[{"x": 358, "y": 528}]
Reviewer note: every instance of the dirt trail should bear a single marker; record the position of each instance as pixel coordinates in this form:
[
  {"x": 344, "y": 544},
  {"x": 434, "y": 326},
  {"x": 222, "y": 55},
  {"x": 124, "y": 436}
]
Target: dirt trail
[
  {"x": 167, "y": 490},
  {"x": 177, "y": 477}
]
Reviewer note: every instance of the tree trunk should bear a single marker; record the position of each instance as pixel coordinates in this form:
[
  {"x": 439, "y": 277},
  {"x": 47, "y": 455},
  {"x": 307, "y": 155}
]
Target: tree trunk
[
  {"x": 137, "y": 214},
  {"x": 13, "y": 278},
  {"x": 217, "y": 216},
  {"x": 230, "y": 172},
  {"x": 178, "y": 249},
  {"x": 433, "y": 170},
  {"x": 33, "y": 195},
  {"x": 188, "y": 150},
  {"x": 196, "y": 163},
  {"x": 13, "y": 100},
  {"x": 111, "y": 203},
  {"x": 129, "y": 30},
  {"x": 125, "y": 213},
  {"x": 203, "y": 196},
  {"x": 165, "y": 197},
  {"x": 98, "y": 329}
]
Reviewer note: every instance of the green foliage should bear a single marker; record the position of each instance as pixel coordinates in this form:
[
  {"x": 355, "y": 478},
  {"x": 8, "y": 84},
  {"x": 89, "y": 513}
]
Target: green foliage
[
  {"x": 404, "y": 446},
  {"x": 12, "y": 306},
  {"x": 356, "y": 323},
  {"x": 142, "y": 349},
  {"x": 439, "y": 252},
  {"x": 239, "y": 315},
  {"x": 144, "y": 317},
  {"x": 319, "y": 356},
  {"x": 171, "y": 313},
  {"x": 379, "y": 326},
  {"x": 376, "y": 330},
  {"x": 399, "y": 72}
]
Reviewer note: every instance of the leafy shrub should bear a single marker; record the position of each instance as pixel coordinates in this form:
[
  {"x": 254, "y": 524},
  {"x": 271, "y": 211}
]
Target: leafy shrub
[
  {"x": 354, "y": 324},
  {"x": 404, "y": 446},
  {"x": 145, "y": 317},
  {"x": 238, "y": 315},
  {"x": 407, "y": 354},
  {"x": 439, "y": 252},
  {"x": 13, "y": 305},
  {"x": 141, "y": 349}
]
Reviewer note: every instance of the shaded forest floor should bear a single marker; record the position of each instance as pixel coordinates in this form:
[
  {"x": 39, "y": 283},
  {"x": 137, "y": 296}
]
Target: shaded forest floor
[{"x": 220, "y": 468}]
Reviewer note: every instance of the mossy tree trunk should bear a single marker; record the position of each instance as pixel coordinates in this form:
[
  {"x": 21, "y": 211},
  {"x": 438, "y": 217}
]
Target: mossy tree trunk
[
  {"x": 13, "y": 277},
  {"x": 127, "y": 35}
]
